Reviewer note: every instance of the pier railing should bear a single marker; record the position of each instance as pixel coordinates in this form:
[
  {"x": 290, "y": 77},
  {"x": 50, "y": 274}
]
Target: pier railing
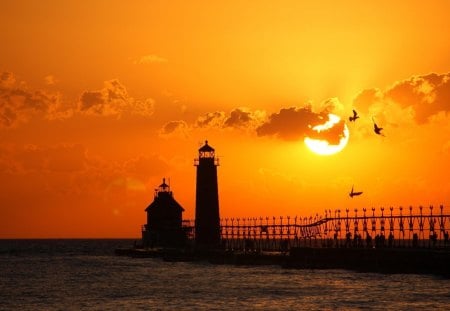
[{"x": 401, "y": 227}]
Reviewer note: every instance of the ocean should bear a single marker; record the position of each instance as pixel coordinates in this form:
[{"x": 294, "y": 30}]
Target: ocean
[{"x": 86, "y": 275}]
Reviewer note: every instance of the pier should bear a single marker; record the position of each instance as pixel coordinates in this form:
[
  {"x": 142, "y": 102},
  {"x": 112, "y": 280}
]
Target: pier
[{"x": 411, "y": 240}]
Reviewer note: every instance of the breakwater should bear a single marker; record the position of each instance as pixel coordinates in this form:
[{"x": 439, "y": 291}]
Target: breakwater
[{"x": 393, "y": 260}]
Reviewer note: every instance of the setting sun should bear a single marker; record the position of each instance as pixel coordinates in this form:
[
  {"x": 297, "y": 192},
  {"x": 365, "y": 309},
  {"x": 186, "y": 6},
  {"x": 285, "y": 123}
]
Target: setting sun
[{"x": 322, "y": 146}]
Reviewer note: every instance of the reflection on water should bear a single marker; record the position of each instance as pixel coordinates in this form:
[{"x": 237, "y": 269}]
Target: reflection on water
[{"x": 84, "y": 274}]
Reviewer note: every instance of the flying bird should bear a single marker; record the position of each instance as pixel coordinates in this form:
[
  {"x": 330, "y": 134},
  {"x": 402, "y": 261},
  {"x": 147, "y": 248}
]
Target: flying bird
[
  {"x": 355, "y": 116},
  {"x": 376, "y": 128},
  {"x": 352, "y": 193}
]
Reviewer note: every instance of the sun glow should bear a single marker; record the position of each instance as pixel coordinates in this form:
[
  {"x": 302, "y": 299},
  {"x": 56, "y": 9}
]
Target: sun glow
[{"x": 322, "y": 146}]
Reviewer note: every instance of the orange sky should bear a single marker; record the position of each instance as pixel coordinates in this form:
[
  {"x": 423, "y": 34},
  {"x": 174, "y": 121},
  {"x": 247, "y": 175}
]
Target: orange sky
[{"x": 99, "y": 100}]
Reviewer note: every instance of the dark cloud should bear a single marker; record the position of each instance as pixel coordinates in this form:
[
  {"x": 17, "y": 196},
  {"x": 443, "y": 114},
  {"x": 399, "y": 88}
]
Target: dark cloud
[
  {"x": 291, "y": 123},
  {"x": 215, "y": 118},
  {"x": 113, "y": 100},
  {"x": 110, "y": 100},
  {"x": 238, "y": 118},
  {"x": 174, "y": 126},
  {"x": 426, "y": 95},
  {"x": 333, "y": 135},
  {"x": 241, "y": 118},
  {"x": 90, "y": 100},
  {"x": 18, "y": 104}
]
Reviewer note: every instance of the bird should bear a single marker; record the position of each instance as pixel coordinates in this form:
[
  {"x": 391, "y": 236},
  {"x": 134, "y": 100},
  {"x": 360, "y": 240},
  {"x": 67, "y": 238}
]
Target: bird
[
  {"x": 376, "y": 128},
  {"x": 355, "y": 116},
  {"x": 352, "y": 193}
]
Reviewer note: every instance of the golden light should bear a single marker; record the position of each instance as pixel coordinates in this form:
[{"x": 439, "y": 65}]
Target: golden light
[{"x": 323, "y": 146}]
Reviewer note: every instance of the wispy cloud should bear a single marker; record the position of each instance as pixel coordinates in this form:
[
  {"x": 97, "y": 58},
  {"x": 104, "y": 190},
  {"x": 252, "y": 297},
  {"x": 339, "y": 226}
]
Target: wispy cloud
[{"x": 149, "y": 59}]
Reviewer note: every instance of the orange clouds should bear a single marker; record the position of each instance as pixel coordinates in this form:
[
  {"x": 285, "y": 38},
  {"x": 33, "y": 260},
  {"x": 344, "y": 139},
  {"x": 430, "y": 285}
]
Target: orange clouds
[
  {"x": 421, "y": 96},
  {"x": 113, "y": 100},
  {"x": 18, "y": 104},
  {"x": 290, "y": 123},
  {"x": 175, "y": 127},
  {"x": 237, "y": 118}
]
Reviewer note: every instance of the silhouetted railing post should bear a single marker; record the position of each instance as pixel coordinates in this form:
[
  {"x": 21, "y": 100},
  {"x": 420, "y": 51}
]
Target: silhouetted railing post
[
  {"x": 442, "y": 227},
  {"x": 374, "y": 222},
  {"x": 260, "y": 234},
  {"x": 402, "y": 229},
  {"x": 432, "y": 237},
  {"x": 411, "y": 226},
  {"x": 339, "y": 227},
  {"x": 421, "y": 233},
  {"x": 356, "y": 229},
  {"x": 274, "y": 233}
]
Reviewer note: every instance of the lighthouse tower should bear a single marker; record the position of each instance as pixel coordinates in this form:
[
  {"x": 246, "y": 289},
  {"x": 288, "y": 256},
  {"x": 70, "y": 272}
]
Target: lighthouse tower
[{"x": 207, "y": 221}]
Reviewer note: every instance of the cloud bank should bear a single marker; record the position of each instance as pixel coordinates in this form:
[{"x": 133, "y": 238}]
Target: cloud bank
[{"x": 419, "y": 97}]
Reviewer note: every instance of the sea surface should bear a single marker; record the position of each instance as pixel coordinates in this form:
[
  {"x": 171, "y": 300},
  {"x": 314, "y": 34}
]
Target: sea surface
[{"x": 86, "y": 275}]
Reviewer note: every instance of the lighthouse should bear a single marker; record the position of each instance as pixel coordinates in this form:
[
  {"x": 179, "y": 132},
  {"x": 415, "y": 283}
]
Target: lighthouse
[
  {"x": 207, "y": 221},
  {"x": 164, "y": 220}
]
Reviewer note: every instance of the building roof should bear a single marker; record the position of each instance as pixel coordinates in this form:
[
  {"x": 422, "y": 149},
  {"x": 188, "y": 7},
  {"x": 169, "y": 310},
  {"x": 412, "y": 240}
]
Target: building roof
[
  {"x": 164, "y": 202},
  {"x": 206, "y": 147}
]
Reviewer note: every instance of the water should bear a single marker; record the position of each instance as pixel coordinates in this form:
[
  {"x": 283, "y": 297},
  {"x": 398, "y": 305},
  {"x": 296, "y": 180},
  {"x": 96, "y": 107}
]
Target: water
[{"x": 86, "y": 275}]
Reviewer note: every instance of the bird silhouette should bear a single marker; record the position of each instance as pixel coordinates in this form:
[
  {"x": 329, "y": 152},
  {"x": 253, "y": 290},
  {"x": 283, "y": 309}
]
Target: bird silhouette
[
  {"x": 377, "y": 129},
  {"x": 354, "y": 117},
  {"x": 353, "y": 193}
]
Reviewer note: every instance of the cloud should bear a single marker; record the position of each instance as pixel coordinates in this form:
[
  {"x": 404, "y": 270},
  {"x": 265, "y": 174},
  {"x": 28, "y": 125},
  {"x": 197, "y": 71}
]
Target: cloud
[
  {"x": 333, "y": 135},
  {"x": 150, "y": 59},
  {"x": 178, "y": 127},
  {"x": 113, "y": 100},
  {"x": 211, "y": 119},
  {"x": 418, "y": 98},
  {"x": 291, "y": 123},
  {"x": 68, "y": 168},
  {"x": 50, "y": 80},
  {"x": 18, "y": 104},
  {"x": 7, "y": 80},
  {"x": 241, "y": 118},
  {"x": 57, "y": 158}
]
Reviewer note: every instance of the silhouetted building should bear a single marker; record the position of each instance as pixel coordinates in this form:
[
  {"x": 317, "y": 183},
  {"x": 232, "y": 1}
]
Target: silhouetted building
[
  {"x": 164, "y": 220},
  {"x": 207, "y": 221}
]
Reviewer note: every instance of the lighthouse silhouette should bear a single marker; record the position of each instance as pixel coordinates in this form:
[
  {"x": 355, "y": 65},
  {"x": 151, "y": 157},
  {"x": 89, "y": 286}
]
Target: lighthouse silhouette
[{"x": 207, "y": 220}]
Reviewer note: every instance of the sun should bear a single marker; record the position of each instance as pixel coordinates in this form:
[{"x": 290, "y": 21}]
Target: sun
[{"x": 322, "y": 146}]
